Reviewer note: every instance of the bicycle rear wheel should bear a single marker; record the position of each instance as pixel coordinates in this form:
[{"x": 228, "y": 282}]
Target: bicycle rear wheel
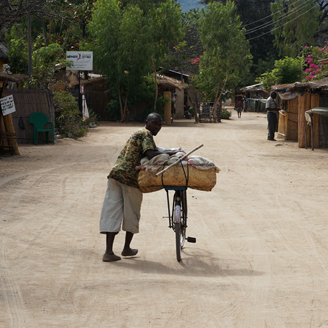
[
  {"x": 177, "y": 229},
  {"x": 178, "y": 240}
]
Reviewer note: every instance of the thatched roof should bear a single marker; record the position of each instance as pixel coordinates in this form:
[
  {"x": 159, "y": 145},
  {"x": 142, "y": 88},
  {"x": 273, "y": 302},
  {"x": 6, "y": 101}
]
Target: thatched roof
[
  {"x": 18, "y": 78},
  {"x": 165, "y": 80},
  {"x": 298, "y": 86}
]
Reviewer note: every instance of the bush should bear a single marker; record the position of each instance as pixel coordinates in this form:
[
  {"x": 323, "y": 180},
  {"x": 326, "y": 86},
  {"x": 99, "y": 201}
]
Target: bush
[
  {"x": 68, "y": 118},
  {"x": 225, "y": 114}
]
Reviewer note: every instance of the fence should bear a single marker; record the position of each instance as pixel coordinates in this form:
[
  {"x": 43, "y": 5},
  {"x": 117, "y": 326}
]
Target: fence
[{"x": 28, "y": 102}]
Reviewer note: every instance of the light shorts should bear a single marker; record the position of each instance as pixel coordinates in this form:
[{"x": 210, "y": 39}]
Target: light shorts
[{"x": 121, "y": 202}]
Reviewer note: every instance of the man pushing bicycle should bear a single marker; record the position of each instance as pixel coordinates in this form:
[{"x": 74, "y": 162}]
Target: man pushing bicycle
[{"x": 123, "y": 198}]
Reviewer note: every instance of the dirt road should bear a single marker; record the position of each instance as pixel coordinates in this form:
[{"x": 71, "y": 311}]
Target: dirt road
[{"x": 260, "y": 261}]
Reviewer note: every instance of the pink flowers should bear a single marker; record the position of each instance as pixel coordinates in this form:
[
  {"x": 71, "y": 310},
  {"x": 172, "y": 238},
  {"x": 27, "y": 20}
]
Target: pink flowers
[{"x": 194, "y": 60}]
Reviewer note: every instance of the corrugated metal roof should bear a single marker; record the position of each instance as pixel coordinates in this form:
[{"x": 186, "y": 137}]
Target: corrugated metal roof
[{"x": 254, "y": 87}]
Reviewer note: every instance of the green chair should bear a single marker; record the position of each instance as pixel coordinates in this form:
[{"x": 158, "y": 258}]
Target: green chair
[{"x": 39, "y": 120}]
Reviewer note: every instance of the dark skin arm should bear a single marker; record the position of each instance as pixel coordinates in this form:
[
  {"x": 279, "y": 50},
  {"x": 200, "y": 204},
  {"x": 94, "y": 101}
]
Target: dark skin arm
[{"x": 152, "y": 153}]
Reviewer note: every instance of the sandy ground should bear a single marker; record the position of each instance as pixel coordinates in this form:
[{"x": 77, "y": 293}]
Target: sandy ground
[{"x": 262, "y": 236}]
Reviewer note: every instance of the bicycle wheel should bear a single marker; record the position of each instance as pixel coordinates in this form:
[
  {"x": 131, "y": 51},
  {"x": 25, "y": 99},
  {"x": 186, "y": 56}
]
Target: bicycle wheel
[
  {"x": 183, "y": 218},
  {"x": 177, "y": 230},
  {"x": 178, "y": 240}
]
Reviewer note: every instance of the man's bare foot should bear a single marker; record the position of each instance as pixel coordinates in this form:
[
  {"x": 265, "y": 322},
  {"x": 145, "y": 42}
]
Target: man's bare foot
[{"x": 129, "y": 252}]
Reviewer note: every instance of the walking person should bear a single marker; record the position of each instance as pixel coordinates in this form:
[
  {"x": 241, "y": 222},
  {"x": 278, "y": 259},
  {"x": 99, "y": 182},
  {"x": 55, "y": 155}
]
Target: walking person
[
  {"x": 239, "y": 106},
  {"x": 122, "y": 203},
  {"x": 272, "y": 110}
]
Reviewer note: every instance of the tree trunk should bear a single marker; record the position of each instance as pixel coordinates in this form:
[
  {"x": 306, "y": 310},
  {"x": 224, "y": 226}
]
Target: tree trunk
[
  {"x": 194, "y": 105},
  {"x": 219, "y": 100},
  {"x": 123, "y": 118},
  {"x": 44, "y": 28},
  {"x": 182, "y": 81},
  {"x": 156, "y": 86},
  {"x": 120, "y": 100}
]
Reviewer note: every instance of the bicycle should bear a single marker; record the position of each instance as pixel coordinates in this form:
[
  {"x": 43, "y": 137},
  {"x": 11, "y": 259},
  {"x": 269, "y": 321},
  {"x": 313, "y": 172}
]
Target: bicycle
[{"x": 178, "y": 216}]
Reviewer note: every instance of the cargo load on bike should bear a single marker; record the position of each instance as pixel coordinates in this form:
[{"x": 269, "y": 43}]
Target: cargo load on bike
[{"x": 178, "y": 170}]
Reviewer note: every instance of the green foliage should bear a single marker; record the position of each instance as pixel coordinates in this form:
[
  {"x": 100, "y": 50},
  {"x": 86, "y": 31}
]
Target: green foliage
[
  {"x": 225, "y": 113},
  {"x": 141, "y": 93},
  {"x": 44, "y": 62},
  {"x": 287, "y": 70},
  {"x": 17, "y": 55},
  {"x": 127, "y": 37},
  {"x": 68, "y": 118},
  {"x": 296, "y": 23}
]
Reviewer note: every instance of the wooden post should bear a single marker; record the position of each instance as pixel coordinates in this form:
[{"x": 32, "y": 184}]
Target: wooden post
[
  {"x": 304, "y": 104},
  {"x": 9, "y": 128},
  {"x": 315, "y": 102},
  {"x": 167, "y": 107},
  {"x": 3, "y": 130}
]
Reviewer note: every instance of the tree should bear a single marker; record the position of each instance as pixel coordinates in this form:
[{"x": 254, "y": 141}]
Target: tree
[
  {"x": 189, "y": 47},
  {"x": 295, "y": 24},
  {"x": 130, "y": 40},
  {"x": 44, "y": 63},
  {"x": 287, "y": 70},
  {"x": 256, "y": 19},
  {"x": 226, "y": 51}
]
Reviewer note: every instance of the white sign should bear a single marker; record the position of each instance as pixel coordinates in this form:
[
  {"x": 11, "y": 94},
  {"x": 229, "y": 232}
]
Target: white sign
[
  {"x": 7, "y": 105},
  {"x": 82, "y": 60}
]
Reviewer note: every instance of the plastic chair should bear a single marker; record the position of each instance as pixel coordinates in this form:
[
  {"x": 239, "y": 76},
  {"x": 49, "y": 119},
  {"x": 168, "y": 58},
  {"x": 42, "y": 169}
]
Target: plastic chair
[{"x": 39, "y": 120}]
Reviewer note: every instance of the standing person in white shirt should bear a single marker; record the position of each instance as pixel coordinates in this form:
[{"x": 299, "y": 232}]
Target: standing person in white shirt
[{"x": 272, "y": 109}]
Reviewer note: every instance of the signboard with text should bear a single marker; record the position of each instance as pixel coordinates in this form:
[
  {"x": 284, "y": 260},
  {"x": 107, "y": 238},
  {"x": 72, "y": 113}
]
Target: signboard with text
[
  {"x": 7, "y": 105},
  {"x": 81, "y": 60}
]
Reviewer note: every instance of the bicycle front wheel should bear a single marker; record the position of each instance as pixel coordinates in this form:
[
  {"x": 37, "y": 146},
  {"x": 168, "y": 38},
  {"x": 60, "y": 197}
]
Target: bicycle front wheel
[{"x": 178, "y": 240}]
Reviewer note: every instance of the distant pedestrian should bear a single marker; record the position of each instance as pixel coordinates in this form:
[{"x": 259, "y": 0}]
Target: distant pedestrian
[
  {"x": 272, "y": 110},
  {"x": 239, "y": 106}
]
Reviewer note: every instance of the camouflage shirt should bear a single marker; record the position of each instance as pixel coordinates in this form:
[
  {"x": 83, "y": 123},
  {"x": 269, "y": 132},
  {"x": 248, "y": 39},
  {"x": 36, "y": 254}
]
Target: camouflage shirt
[{"x": 124, "y": 168}]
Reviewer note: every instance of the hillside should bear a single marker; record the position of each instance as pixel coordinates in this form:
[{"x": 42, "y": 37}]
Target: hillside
[{"x": 186, "y": 5}]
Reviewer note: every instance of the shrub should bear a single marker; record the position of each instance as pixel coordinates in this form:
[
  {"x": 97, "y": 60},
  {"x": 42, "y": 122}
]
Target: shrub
[
  {"x": 68, "y": 118},
  {"x": 225, "y": 114}
]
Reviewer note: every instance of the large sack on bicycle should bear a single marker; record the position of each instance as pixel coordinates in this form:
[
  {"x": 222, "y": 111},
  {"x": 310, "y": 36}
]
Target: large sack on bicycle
[{"x": 197, "y": 173}]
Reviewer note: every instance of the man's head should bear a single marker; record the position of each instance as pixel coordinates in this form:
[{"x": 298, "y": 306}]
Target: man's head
[
  {"x": 273, "y": 95},
  {"x": 154, "y": 123}
]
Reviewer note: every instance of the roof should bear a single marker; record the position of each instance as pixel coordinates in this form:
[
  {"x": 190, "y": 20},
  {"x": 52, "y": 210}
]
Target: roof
[
  {"x": 19, "y": 78},
  {"x": 162, "y": 79},
  {"x": 318, "y": 84},
  {"x": 323, "y": 61},
  {"x": 254, "y": 87}
]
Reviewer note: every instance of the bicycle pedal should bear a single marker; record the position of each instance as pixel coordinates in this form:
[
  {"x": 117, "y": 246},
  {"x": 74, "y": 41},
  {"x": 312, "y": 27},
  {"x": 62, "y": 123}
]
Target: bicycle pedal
[{"x": 191, "y": 239}]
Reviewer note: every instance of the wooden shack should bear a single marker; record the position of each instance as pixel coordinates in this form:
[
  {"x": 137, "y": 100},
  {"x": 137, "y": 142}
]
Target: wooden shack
[{"x": 296, "y": 99}]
